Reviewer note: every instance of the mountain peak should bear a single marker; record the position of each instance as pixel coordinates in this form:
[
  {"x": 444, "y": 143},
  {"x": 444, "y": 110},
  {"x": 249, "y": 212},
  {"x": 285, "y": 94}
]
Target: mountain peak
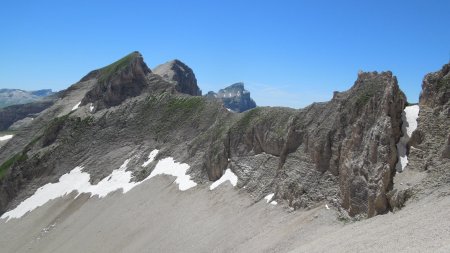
[
  {"x": 234, "y": 97},
  {"x": 178, "y": 73},
  {"x": 133, "y": 60},
  {"x": 117, "y": 81}
]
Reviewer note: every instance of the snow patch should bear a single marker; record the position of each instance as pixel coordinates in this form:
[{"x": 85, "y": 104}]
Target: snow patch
[
  {"x": 151, "y": 158},
  {"x": 76, "y": 106},
  {"x": 268, "y": 199},
  {"x": 77, "y": 180},
  {"x": 91, "y": 108},
  {"x": 409, "y": 118},
  {"x": 119, "y": 179},
  {"x": 74, "y": 180},
  {"x": 6, "y": 137},
  {"x": 227, "y": 176},
  {"x": 168, "y": 166},
  {"x": 412, "y": 114}
]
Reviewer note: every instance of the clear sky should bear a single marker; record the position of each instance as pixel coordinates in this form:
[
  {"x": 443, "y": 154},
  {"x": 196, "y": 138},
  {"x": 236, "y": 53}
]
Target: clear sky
[{"x": 288, "y": 53}]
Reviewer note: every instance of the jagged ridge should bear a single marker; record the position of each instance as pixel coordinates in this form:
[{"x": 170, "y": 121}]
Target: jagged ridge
[{"x": 341, "y": 149}]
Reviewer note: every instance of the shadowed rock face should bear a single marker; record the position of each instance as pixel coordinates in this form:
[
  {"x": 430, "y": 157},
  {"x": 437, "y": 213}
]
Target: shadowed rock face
[
  {"x": 181, "y": 75},
  {"x": 234, "y": 97},
  {"x": 342, "y": 151},
  {"x": 13, "y": 113},
  {"x": 121, "y": 80}
]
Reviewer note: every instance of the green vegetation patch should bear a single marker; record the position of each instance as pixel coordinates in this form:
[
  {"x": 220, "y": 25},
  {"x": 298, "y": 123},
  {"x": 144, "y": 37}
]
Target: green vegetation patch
[
  {"x": 368, "y": 91},
  {"x": 184, "y": 104},
  {"x": 18, "y": 158},
  {"x": 107, "y": 72},
  {"x": 248, "y": 119},
  {"x": 52, "y": 130},
  {"x": 173, "y": 111}
]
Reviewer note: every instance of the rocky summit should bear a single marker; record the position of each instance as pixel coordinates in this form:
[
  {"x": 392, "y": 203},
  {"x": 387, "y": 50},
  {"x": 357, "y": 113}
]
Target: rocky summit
[
  {"x": 234, "y": 97},
  {"x": 125, "y": 123},
  {"x": 179, "y": 74}
]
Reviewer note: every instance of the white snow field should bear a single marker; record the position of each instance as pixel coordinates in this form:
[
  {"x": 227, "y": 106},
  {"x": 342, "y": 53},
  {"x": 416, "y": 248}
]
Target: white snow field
[
  {"x": 76, "y": 106},
  {"x": 6, "y": 137},
  {"x": 77, "y": 180},
  {"x": 168, "y": 166},
  {"x": 227, "y": 176},
  {"x": 409, "y": 117}
]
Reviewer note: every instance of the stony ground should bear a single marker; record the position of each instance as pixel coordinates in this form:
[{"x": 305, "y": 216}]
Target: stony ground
[{"x": 157, "y": 217}]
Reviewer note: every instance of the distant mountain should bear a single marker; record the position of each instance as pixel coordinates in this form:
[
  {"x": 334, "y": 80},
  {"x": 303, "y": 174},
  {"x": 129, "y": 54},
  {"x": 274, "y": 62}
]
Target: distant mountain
[
  {"x": 234, "y": 97},
  {"x": 15, "y": 96}
]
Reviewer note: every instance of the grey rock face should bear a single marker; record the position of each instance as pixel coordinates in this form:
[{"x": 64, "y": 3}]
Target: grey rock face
[
  {"x": 344, "y": 148},
  {"x": 181, "y": 75},
  {"x": 436, "y": 88},
  {"x": 234, "y": 97},
  {"x": 429, "y": 144}
]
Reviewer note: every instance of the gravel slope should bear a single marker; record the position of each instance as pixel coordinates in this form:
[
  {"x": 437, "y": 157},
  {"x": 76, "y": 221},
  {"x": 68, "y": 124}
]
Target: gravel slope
[{"x": 157, "y": 217}]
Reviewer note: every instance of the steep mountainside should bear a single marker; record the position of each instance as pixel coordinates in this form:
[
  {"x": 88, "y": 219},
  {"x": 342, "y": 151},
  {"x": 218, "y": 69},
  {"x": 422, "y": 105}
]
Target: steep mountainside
[
  {"x": 342, "y": 152},
  {"x": 429, "y": 152},
  {"x": 14, "y": 96},
  {"x": 181, "y": 75},
  {"x": 234, "y": 97}
]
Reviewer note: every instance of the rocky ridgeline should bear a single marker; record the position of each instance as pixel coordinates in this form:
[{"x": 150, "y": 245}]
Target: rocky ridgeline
[
  {"x": 342, "y": 151},
  {"x": 234, "y": 97}
]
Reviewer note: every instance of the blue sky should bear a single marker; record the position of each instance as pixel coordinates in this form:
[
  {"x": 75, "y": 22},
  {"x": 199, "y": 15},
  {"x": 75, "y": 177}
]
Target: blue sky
[{"x": 289, "y": 53}]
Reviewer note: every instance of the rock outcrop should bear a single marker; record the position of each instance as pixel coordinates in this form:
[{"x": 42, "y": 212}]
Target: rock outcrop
[
  {"x": 181, "y": 75},
  {"x": 342, "y": 151},
  {"x": 429, "y": 144},
  {"x": 116, "y": 82},
  {"x": 234, "y": 97},
  {"x": 345, "y": 146}
]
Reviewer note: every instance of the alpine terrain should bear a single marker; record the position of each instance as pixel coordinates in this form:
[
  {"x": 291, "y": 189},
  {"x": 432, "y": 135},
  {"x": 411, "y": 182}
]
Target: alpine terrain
[{"x": 131, "y": 159}]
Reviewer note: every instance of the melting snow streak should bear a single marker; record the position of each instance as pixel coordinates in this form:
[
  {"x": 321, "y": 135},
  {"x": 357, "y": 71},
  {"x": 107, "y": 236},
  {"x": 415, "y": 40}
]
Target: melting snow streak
[
  {"x": 268, "y": 199},
  {"x": 6, "y": 137},
  {"x": 151, "y": 157},
  {"x": 409, "y": 118},
  {"x": 76, "y": 106},
  {"x": 227, "y": 176}
]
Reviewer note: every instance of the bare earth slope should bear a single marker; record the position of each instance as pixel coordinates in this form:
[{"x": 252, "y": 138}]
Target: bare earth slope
[{"x": 223, "y": 220}]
